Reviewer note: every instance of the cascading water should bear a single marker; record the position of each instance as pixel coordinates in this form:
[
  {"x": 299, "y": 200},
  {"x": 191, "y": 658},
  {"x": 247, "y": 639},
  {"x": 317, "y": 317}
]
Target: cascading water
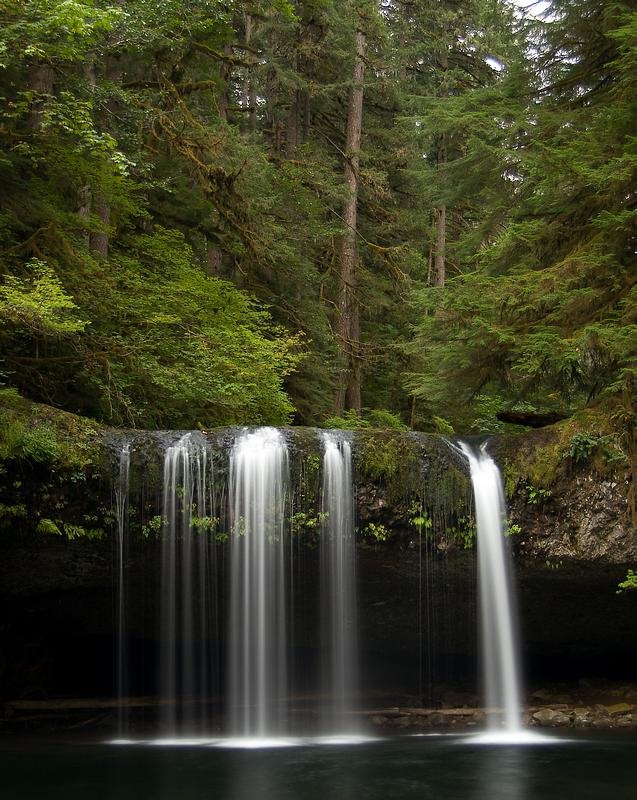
[
  {"x": 338, "y": 589},
  {"x": 269, "y": 572},
  {"x": 186, "y": 607},
  {"x": 258, "y": 612},
  {"x": 121, "y": 509},
  {"x": 499, "y": 648}
]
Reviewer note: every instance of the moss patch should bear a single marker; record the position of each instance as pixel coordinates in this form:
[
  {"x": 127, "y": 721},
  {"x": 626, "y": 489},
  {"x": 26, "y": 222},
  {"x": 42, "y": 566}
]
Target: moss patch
[
  {"x": 51, "y": 465},
  {"x": 595, "y": 437}
]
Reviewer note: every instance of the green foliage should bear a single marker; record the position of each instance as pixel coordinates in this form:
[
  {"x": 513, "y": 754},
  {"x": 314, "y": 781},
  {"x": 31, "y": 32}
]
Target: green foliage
[
  {"x": 42, "y": 435},
  {"x": 376, "y": 532},
  {"x": 350, "y": 420},
  {"x": 583, "y": 445},
  {"x": 172, "y": 201},
  {"x": 16, "y": 511},
  {"x": 629, "y": 584},
  {"x": 367, "y": 418},
  {"x": 38, "y": 303},
  {"x": 539, "y": 309},
  {"x": 536, "y": 495},
  {"x": 443, "y": 426},
  {"x": 152, "y": 527},
  {"x": 419, "y": 518},
  {"x": 79, "y": 532},
  {"x": 20, "y": 441},
  {"x": 48, "y": 527},
  {"x": 205, "y": 524},
  {"x": 512, "y": 529},
  {"x": 382, "y": 457},
  {"x": 304, "y": 522},
  {"x": 464, "y": 532}
]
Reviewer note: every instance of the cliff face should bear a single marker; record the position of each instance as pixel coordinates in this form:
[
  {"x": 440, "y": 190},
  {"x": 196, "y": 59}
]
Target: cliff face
[
  {"x": 569, "y": 486},
  {"x": 569, "y": 491}
]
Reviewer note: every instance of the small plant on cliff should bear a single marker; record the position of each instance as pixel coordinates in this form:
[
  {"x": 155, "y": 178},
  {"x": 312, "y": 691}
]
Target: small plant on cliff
[
  {"x": 464, "y": 532},
  {"x": 420, "y": 520},
  {"x": 377, "y": 532},
  {"x": 512, "y": 529},
  {"x": 47, "y": 526},
  {"x": 36, "y": 443},
  {"x": 629, "y": 584},
  {"x": 582, "y": 446},
  {"x": 303, "y": 523},
  {"x": 535, "y": 495},
  {"x": 152, "y": 528}
]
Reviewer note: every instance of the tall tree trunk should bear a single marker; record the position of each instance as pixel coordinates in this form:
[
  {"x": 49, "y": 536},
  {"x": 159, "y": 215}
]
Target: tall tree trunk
[
  {"x": 249, "y": 92},
  {"x": 100, "y": 206},
  {"x": 225, "y": 73},
  {"x": 347, "y": 318},
  {"x": 440, "y": 213},
  {"x": 213, "y": 259},
  {"x": 84, "y": 211},
  {"x": 41, "y": 79},
  {"x": 98, "y": 240},
  {"x": 292, "y": 126},
  {"x": 440, "y": 216},
  {"x": 85, "y": 195}
]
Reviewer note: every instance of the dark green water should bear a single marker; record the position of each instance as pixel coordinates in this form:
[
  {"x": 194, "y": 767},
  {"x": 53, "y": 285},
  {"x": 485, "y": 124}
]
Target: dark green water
[{"x": 426, "y": 768}]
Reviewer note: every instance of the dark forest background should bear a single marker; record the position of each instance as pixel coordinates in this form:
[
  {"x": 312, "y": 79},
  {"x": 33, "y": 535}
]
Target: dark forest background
[{"x": 406, "y": 212}]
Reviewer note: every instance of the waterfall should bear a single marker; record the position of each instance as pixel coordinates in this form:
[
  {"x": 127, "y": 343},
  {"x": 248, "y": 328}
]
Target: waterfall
[
  {"x": 338, "y": 588},
  {"x": 185, "y": 604},
  {"x": 499, "y": 647},
  {"x": 258, "y": 647},
  {"x": 121, "y": 510}
]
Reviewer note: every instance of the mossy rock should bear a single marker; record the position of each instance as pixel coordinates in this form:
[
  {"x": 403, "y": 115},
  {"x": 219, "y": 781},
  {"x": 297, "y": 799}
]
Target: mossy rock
[{"x": 594, "y": 438}]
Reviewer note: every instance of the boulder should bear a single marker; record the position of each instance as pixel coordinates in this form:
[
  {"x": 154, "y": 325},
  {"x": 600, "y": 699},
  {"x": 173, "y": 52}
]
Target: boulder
[
  {"x": 545, "y": 716},
  {"x": 619, "y": 708}
]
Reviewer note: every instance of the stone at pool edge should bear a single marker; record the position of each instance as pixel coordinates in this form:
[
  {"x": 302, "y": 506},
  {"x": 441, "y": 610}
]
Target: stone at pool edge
[{"x": 597, "y": 717}]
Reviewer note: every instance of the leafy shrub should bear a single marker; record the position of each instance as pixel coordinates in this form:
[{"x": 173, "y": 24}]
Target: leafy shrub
[
  {"x": 629, "y": 584},
  {"x": 369, "y": 418},
  {"x": 535, "y": 495},
  {"x": 38, "y": 444},
  {"x": 47, "y": 526},
  {"x": 582, "y": 446},
  {"x": 377, "y": 532},
  {"x": 442, "y": 426}
]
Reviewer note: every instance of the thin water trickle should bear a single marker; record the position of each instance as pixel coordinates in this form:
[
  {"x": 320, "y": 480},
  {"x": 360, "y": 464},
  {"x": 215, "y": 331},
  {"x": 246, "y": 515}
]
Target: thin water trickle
[
  {"x": 497, "y": 611},
  {"x": 338, "y": 589},
  {"x": 258, "y": 686},
  {"x": 121, "y": 509}
]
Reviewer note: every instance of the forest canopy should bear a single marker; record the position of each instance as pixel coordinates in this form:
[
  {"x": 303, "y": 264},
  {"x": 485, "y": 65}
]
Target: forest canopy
[{"x": 261, "y": 212}]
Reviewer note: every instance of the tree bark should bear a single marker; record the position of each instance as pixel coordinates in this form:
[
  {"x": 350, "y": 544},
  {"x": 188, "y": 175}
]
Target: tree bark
[
  {"x": 249, "y": 92},
  {"x": 292, "y": 126},
  {"x": 440, "y": 213},
  {"x": 213, "y": 259},
  {"x": 41, "y": 79},
  {"x": 98, "y": 240},
  {"x": 225, "y": 72},
  {"x": 99, "y": 205},
  {"x": 347, "y": 327}
]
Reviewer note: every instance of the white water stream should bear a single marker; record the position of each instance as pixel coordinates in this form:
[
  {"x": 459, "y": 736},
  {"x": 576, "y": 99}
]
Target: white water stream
[
  {"x": 338, "y": 590},
  {"x": 258, "y": 612},
  {"x": 121, "y": 508},
  {"x": 500, "y": 654}
]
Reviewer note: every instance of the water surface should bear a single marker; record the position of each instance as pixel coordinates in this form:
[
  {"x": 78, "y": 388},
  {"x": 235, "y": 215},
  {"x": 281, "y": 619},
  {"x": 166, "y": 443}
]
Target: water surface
[{"x": 428, "y": 768}]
